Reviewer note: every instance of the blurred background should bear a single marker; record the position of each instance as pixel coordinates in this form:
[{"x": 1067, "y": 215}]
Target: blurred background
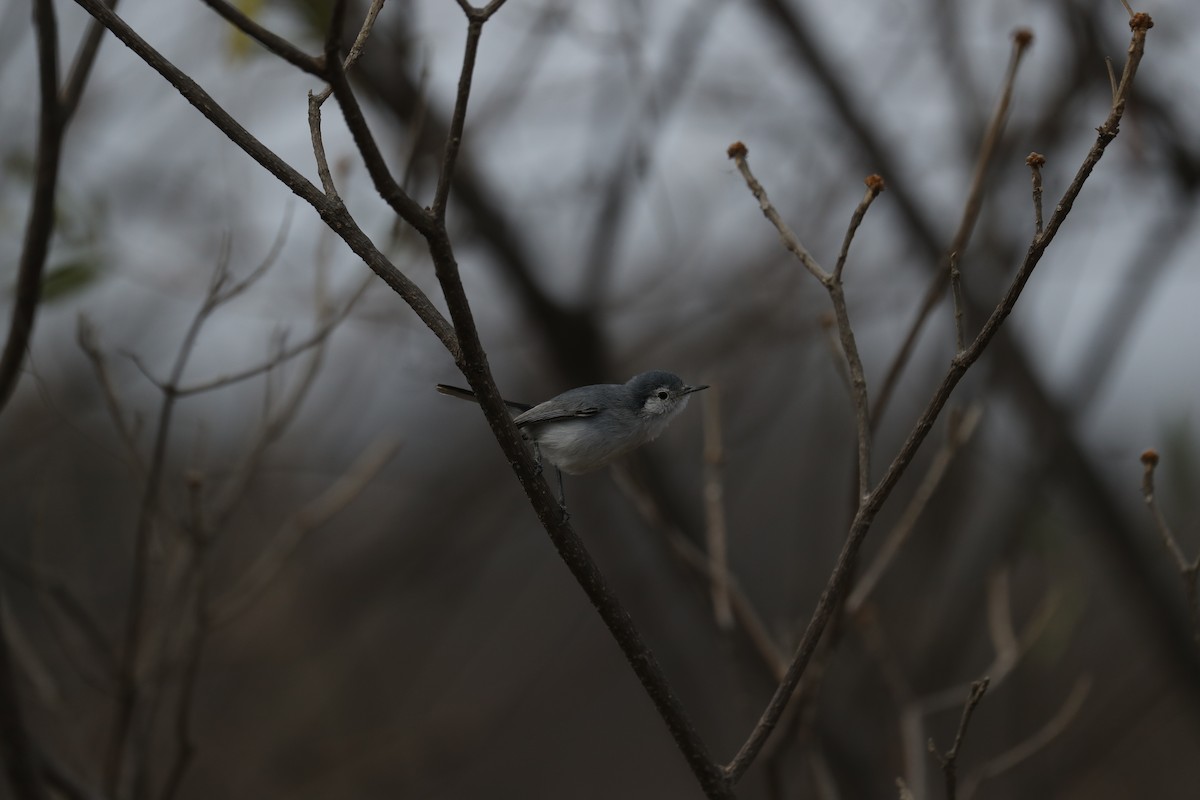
[{"x": 373, "y": 610}]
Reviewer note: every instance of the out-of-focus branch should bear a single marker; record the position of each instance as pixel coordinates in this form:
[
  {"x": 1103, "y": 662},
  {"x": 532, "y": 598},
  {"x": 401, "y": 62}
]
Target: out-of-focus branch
[
  {"x": 744, "y": 611},
  {"x": 1036, "y": 161},
  {"x": 714, "y": 508},
  {"x": 40, "y": 224},
  {"x": 833, "y": 284},
  {"x": 1022, "y": 38},
  {"x": 17, "y": 748},
  {"x": 130, "y": 687},
  {"x": 85, "y": 335},
  {"x": 1189, "y": 570},
  {"x": 1035, "y": 743},
  {"x": 1008, "y": 647},
  {"x": 62, "y": 598},
  {"x": 960, "y": 433},
  {"x": 476, "y": 17},
  {"x": 200, "y": 539},
  {"x": 949, "y": 759},
  {"x": 268, "y": 39},
  {"x": 332, "y": 212},
  {"x": 869, "y": 508},
  {"x": 292, "y": 534}
]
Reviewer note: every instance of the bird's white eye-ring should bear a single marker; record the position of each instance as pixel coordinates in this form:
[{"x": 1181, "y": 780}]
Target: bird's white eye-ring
[{"x": 663, "y": 394}]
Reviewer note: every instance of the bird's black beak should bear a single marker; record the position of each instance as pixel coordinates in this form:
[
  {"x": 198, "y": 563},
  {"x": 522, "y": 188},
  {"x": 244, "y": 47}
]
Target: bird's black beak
[{"x": 690, "y": 389}]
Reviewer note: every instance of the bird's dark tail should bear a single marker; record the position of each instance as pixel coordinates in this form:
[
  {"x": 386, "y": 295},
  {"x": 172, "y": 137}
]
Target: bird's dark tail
[{"x": 467, "y": 394}]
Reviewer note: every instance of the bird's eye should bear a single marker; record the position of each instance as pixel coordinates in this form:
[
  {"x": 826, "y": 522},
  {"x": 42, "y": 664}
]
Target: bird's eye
[{"x": 662, "y": 394}]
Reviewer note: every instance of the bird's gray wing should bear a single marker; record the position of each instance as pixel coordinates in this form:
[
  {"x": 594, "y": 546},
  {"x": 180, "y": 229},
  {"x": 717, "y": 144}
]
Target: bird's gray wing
[{"x": 562, "y": 407}]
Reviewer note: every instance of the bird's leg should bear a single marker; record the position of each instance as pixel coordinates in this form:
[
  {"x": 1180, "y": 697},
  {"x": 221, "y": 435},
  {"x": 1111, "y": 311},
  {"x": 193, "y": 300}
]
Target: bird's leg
[{"x": 562, "y": 496}]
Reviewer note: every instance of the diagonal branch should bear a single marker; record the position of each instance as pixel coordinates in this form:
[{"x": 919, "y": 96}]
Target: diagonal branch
[
  {"x": 40, "y": 225},
  {"x": 332, "y": 212},
  {"x": 1022, "y": 38},
  {"x": 839, "y": 577},
  {"x": 268, "y": 39}
]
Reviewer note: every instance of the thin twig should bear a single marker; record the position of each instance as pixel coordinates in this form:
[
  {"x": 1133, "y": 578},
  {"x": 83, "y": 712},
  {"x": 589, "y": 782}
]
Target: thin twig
[
  {"x": 332, "y": 212},
  {"x": 1008, "y": 648},
  {"x": 81, "y": 68},
  {"x": 840, "y": 575},
  {"x": 1036, "y": 161},
  {"x": 833, "y": 284},
  {"x": 738, "y": 152},
  {"x": 16, "y": 743},
  {"x": 696, "y": 559},
  {"x": 949, "y": 759},
  {"x": 323, "y": 331},
  {"x": 292, "y": 534},
  {"x": 40, "y": 225},
  {"x": 1022, "y": 38},
  {"x": 386, "y": 186},
  {"x": 957, "y": 293},
  {"x": 271, "y": 41},
  {"x": 1053, "y": 728},
  {"x": 315, "y": 101},
  {"x": 875, "y": 185},
  {"x": 185, "y": 745},
  {"x": 959, "y": 435},
  {"x": 356, "y": 49},
  {"x": 85, "y": 335},
  {"x": 714, "y": 508},
  {"x": 318, "y": 144},
  {"x": 829, "y": 333},
  {"x": 475, "y": 20},
  {"x": 1189, "y": 570},
  {"x": 129, "y": 688},
  {"x": 62, "y": 597}
]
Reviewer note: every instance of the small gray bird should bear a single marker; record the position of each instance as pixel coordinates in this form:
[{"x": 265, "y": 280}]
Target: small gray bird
[{"x": 587, "y": 428}]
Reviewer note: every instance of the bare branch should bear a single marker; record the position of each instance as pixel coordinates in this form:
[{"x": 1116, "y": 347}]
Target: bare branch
[
  {"x": 295, "y": 531},
  {"x": 63, "y": 599},
  {"x": 1189, "y": 571},
  {"x": 129, "y": 686},
  {"x": 875, "y": 186},
  {"x": 738, "y": 152},
  {"x": 956, "y": 291},
  {"x": 703, "y": 564},
  {"x": 1036, "y": 161},
  {"x": 316, "y": 339},
  {"x": 1053, "y": 728},
  {"x": 85, "y": 335},
  {"x": 714, "y": 508},
  {"x": 1022, "y": 38},
  {"x": 833, "y": 284},
  {"x": 271, "y": 41},
  {"x": 185, "y": 745},
  {"x": 332, "y": 212},
  {"x": 40, "y": 224},
  {"x": 868, "y": 509},
  {"x": 85, "y": 57},
  {"x": 949, "y": 760},
  {"x": 960, "y": 434},
  {"x": 16, "y": 744},
  {"x": 475, "y": 20}
]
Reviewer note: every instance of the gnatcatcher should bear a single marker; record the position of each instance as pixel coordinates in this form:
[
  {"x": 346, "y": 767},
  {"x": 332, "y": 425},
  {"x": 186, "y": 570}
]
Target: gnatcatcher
[{"x": 587, "y": 428}]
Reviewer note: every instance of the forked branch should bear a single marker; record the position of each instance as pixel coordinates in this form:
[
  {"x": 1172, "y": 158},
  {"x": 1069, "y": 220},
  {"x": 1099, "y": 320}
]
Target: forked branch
[{"x": 1140, "y": 24}]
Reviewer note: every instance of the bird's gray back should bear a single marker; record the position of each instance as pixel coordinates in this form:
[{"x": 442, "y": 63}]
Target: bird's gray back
[{"x": 585, "y": 401}]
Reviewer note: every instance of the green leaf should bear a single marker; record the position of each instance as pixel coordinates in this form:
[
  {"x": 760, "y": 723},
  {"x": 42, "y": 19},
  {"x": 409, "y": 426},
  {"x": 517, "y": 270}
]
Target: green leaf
[{"x": 67, "y": 279}]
